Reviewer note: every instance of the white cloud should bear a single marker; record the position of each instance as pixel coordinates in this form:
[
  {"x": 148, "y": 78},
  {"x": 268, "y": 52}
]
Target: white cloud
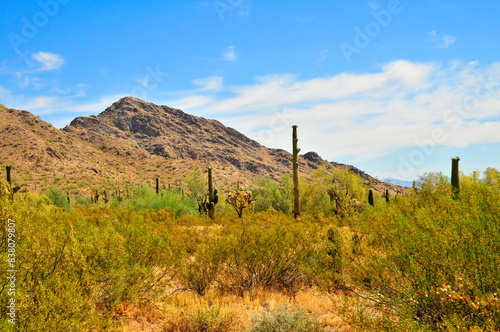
[
  {"x": 24, "y": 81},
  {"x": 443, "y": 41},
  {"x": 363, "y": 116},
  {"x": 44, "y": 105},
  {"x": 49, "y": 61},
  {"x": 190, "y": 102},
  {"x": 230, "y": 54},
  {"x": 212, "y": 83}
]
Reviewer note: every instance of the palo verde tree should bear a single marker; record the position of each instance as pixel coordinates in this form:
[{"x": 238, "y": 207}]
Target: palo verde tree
[{"x": 197, "y": 190}]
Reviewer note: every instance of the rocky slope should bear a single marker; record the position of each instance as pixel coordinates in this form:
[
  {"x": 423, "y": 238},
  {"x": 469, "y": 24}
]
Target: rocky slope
[{"x": 133, "y": 141}]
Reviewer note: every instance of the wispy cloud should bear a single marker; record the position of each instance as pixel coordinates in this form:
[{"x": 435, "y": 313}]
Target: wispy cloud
[
  {"x": 212, "y": 83},
  {"x": 364, "y": 116},
  {"x": 49, "y": 61},
  {"x": 62, "y": 105},
  {"x": 443, "y": 41},
  {"x": 323, "y": 55},
  {"x": 230, "y": 54},
  {"x": 24, "y": 81},
  {"x": 144, "y": 81}
]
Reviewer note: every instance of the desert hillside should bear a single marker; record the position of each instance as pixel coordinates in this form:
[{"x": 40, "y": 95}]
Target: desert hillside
[{"x": 133, "y": 142}]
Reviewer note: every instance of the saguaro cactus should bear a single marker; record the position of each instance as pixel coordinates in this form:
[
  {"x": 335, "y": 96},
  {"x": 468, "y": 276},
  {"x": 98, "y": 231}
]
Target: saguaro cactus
[
  {"x": 210, "y": 185},
  {"x": 157, "y": 186},
  {"x": 455, "y": 177},
  {"x": 9, "y": 180},
  {"x": 213, "y": 197},
  {"x": 370, "y": 198},
  {"x": 296, "y": 191},
  {"x": 387, "y": 197}
]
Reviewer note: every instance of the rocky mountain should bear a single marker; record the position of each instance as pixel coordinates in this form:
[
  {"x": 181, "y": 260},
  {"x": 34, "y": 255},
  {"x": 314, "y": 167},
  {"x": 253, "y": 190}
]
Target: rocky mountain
[{"x": 134, "y": 141}]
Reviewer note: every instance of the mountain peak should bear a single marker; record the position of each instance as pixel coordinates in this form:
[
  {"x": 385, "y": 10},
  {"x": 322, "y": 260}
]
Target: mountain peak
[{"x": 133, "y": 140}]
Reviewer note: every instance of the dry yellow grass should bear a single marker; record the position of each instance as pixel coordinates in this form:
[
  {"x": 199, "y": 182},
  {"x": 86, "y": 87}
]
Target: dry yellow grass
[{"x": 327, "y": 307}]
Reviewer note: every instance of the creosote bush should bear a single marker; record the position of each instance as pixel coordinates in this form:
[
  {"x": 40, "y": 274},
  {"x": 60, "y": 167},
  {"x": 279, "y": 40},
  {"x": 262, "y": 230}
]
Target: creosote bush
[
  {"x": 266, "y": 250},
  {"x": 284, "y": 320},
  {"x": 430, "y": 261},
  {"x": 74, "y": 268},
  {"x": 435, "y": 259},
  {"x": 146, "y": 199}
]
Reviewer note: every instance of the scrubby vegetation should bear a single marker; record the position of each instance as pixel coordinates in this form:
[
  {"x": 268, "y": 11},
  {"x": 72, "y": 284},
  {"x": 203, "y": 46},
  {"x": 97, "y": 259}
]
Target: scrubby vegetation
[{"x": 428, "y": 260}]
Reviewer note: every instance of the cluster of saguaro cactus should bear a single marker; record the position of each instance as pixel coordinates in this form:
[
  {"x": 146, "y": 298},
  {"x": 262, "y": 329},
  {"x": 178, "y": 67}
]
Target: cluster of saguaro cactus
[
  {"x": 296, "y": 191},
  {"x": 240, "y": 199},
  {"x": 335, "y": 250},
  {"x": 343, "y": 204},
  {"x": 95, "y": 198}
]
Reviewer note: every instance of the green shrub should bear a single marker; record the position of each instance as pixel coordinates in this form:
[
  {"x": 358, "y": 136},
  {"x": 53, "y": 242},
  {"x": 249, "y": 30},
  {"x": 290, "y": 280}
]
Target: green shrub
[
  {"x": 433, "y": 258},
  {"x": 269, "y": 194},
  {"x": 58, "y": 198},
  {"x": 283, "y": 320},
  {"x": 315, "y": 197},
  {"x": 74, "y": 268},
  {"x": 146, "y": 199},
  {"x": 270, "y": 250}
]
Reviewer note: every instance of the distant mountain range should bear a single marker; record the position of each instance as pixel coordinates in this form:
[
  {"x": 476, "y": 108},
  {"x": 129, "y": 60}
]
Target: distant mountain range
[
  {"x": 397, "y": 182},
  {"x": 134, "y": 141}
]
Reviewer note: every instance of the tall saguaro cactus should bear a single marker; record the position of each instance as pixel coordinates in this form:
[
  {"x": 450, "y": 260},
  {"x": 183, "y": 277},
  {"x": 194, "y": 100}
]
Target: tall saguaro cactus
[
  {"x": 213, "y": 197},
  {"x": 455, "y": 177},
  {"x": 157, "y": 186},
  {"x": 210, "y": 185},
  {"x": 370, "y": 198},
  {"x": 9, "y": 180},
  {"x": 296, "y": 191}
]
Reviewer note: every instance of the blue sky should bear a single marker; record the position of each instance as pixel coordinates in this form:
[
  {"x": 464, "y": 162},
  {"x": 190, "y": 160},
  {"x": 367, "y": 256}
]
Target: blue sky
[{"x": 396, "y": 88}]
